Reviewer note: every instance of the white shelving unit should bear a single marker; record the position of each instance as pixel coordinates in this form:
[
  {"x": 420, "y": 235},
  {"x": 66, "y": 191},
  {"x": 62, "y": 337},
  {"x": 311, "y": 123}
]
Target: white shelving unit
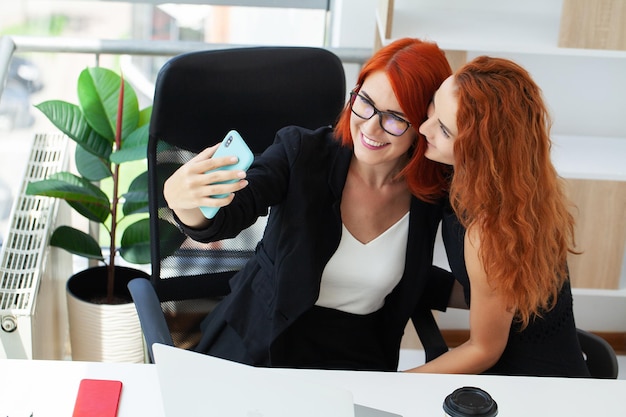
[
  {"x": 480, "y": 25},
  {"x": 585, "y": 90},
  {"x": 590, "y": 157}
]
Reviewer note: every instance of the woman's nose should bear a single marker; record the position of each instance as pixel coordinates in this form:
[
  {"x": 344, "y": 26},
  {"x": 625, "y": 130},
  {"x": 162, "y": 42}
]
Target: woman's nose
[{"x": 373, "y": 123}]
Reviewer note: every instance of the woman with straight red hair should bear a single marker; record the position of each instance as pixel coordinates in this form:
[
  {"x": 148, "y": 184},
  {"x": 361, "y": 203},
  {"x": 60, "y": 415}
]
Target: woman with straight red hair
[
  {"x": 347, "y": 250},
  {"x": 508, "y": 229}
]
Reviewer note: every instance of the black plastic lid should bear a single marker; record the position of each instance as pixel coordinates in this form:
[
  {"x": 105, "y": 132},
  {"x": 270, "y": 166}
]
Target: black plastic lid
[{"x": 470, "y": 401}]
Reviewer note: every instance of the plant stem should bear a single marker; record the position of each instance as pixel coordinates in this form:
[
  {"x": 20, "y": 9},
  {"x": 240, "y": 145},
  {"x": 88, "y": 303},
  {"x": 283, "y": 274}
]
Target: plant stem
[{"x": 115, "y": 198}]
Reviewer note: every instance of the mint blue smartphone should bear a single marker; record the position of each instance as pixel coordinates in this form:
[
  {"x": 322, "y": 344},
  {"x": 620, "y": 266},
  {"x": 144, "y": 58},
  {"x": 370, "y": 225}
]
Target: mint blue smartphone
[{"x": 232, "y": 145}]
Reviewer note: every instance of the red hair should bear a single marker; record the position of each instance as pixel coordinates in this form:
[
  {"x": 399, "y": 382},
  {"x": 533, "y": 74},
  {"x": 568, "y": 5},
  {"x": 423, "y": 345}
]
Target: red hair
[
  {"x": 415, "y": 70},
  {"x": 504, "y": 183}
]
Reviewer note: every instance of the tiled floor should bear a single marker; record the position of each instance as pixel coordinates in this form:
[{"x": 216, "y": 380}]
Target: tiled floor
[{"x": 410, "y": 358}]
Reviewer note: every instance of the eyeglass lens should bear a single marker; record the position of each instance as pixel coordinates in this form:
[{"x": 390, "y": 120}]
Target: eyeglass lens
[{"x": 390, "y": 123}]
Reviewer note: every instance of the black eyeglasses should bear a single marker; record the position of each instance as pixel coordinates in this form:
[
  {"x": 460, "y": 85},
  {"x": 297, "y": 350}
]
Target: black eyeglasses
[{"x": 389, "y": 122}]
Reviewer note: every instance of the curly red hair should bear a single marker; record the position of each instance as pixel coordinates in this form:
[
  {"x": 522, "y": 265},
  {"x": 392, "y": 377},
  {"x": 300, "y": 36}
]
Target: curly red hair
[
  {"x": 415, "y": 69},
  {"x": 504, "y": 183}
]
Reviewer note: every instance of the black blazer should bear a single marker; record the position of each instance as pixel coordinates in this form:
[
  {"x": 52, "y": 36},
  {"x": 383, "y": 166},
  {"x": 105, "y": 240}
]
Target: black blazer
[{"x": 301, "y": 178}]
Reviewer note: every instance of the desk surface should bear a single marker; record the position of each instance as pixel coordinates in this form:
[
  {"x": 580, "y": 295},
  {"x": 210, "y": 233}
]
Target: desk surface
[
  {"x": 419, "y": 395},
  {"x": 47, "y": 388}
]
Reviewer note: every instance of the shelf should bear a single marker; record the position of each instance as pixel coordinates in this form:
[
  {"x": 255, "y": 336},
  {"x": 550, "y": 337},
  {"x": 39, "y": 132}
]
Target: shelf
[
  {"x": 590, "y": 158},
  {"x": 474, "y": 29},
  {"x": 529, "y": 27}
]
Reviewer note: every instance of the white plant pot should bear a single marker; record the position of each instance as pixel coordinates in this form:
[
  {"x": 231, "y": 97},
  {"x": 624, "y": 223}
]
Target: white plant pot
[{"x": 103, "y": 332}]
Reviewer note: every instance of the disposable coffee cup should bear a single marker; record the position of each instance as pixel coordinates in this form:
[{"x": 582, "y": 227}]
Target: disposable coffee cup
[{"x": 470, "y": 402}]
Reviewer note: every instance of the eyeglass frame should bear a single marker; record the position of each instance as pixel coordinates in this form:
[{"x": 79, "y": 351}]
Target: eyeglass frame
[{"x": 354, "y": 94}]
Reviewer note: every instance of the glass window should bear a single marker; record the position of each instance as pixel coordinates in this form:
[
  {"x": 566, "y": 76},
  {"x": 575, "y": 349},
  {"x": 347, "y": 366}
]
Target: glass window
[{"x": 34, "y": 77}]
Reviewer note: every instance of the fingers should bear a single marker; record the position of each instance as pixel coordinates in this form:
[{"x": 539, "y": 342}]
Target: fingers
[
  {"x": 198, "y": 181},
  {"x": 219, "y": 175},
  {"x": 190, "y": 191},
  {"x": 218, "y": 200},
  {"x": 204, "y": 161},
  {"x": 218, "y": 194}
]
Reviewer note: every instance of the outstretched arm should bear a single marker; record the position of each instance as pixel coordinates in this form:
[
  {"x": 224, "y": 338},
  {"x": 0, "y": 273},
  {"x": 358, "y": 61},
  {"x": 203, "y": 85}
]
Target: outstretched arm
[
  {"x": 191, "y": 187},
  {"x": 490, "y": 322}
]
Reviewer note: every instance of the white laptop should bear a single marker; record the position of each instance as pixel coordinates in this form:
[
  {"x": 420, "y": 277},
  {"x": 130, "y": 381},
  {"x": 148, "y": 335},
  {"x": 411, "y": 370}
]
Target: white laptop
[{"x": 193, "y": 384}]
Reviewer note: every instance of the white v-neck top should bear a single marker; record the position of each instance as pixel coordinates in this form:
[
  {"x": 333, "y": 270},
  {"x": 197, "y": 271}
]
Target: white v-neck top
[{"x": 359, "y": 276}]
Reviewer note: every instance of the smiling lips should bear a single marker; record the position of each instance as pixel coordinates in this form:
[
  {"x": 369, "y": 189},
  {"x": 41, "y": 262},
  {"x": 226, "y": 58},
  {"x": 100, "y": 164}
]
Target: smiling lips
[{"x": 372, "y": 144}]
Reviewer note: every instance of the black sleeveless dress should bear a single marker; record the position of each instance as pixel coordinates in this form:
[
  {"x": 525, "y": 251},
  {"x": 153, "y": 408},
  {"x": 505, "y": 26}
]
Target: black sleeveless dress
[{"x": 548, "y": 346}]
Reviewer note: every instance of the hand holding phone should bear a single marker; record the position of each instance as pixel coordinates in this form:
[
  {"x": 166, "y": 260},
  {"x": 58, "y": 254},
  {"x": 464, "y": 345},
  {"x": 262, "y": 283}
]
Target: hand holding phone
[{"x": 232, "y": 145}]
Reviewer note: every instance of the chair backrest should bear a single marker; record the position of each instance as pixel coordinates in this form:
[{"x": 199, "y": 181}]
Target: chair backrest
[
  {"x": 599, "y": 355},
  {"x": 199, "y": 97}
]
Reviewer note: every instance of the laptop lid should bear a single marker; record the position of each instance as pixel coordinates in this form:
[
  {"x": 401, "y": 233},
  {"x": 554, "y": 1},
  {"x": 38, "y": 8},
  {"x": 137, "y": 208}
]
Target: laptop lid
[{"x": 194, "y": 384}]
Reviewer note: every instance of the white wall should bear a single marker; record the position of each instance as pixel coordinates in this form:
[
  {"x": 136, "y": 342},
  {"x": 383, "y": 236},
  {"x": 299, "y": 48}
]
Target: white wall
[
  {"x": 353, "y": 26},
  {"x": 354, "y": 23}
]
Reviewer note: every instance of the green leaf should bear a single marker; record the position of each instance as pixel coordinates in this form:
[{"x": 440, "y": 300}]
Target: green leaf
[
  {"x": 69, "y": 187},
  {"x": 98, "y": 93},
  {"x": 89, "y": 200},
  {"x": 93, "y": 212},
  {"x": 135, "y": 202},
  {"x": 139, "y": 183},
  {"x": 145, "y": 115},
  {"x": 135, "y": 243},
  {"x": 90, "y": 166},
  {"x": 170, "y": 238},
  {"x": 68, "y": 118},
  {"x": 135, "y": 146},
  {"x": 136, "y": 198},
  {"x": 76, "y": 242}
]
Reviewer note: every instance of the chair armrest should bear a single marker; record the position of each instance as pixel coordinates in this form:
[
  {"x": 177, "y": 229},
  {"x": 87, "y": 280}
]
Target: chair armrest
[{"x": 150, "y": 314}]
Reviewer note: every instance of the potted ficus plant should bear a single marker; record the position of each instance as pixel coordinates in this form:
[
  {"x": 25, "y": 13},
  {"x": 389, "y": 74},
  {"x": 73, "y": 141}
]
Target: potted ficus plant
[{"x": 109, "y": 130}]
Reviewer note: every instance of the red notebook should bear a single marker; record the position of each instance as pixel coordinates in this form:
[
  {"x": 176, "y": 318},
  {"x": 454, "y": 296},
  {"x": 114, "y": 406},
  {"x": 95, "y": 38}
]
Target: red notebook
[{"x": 97, "y": 398}]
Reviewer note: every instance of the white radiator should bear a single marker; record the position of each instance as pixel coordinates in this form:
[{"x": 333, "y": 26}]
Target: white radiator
[{"x": 33, "y": 310}]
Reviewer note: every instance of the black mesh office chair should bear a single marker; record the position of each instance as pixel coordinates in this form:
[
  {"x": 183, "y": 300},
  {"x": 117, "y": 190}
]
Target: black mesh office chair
[
  {"x": 199, "y": 97},
  {"x": 599, "y": 355}
]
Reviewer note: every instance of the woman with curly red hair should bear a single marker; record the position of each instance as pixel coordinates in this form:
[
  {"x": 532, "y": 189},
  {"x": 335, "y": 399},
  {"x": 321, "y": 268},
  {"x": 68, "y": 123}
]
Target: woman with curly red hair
[{"x": 508, "y": 229}]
